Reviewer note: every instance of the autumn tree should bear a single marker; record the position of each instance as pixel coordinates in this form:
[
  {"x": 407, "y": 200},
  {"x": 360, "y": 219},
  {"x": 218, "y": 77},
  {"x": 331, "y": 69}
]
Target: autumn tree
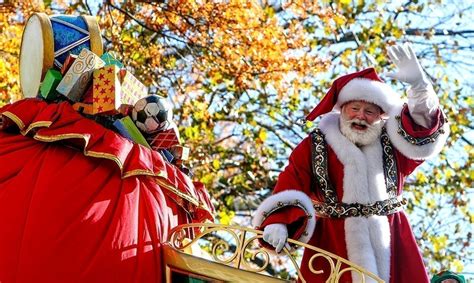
[{"x": 243, "y": 74}]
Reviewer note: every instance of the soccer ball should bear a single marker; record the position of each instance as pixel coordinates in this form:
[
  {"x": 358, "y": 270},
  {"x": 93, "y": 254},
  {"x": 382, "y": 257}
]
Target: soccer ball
[{"x": 152, "y": 114}]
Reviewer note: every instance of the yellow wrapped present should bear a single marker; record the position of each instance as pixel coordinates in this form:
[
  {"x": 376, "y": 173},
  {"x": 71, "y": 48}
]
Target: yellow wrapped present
[{"x": 114, "y": 89}]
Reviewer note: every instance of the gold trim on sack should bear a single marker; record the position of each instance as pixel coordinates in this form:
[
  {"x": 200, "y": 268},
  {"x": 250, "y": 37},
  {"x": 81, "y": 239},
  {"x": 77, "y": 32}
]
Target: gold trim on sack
[
  {"x": 138, "y": 172},
  {"x": 177, "y": 192},
  {"x": 230, "y": 250},
  {"x": 15, "y": 119},
  {"x": 191, "y": 199},
  {"x": 37, "y": 125}
]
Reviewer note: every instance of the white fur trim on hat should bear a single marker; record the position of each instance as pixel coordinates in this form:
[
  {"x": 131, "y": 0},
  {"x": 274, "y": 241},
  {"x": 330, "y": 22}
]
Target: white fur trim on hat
[
  {"x": 375, "y": 92},
  {"x": 285, "y": 198}
]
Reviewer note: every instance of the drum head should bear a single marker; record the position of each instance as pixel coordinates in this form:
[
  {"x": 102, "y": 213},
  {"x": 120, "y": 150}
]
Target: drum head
[{"x": 37, "y": 53}]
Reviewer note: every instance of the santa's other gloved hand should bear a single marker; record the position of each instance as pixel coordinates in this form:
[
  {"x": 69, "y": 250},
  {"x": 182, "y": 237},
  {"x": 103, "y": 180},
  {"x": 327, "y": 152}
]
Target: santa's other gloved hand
[
  {"x": 409, "y": 69},
  {"x": 276, "y": 235}
]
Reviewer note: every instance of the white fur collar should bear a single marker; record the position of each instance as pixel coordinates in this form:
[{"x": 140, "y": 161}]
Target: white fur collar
[
  {"x": 367, "y": 239},
  {"x": 363, "y": 167}
]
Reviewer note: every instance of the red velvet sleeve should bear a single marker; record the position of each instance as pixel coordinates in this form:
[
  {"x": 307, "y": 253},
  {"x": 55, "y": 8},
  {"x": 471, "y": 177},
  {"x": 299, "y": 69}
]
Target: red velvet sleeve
[
  {"x": 297, "y": 175},
  {"x": 408, "y": 165},
  {"x": 415, "y": 130},
  {"x": 294, "y": 217}
]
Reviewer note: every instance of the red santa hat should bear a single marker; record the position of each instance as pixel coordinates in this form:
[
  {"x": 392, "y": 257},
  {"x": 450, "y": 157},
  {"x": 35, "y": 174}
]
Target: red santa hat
[{"x": 364, "y": 86}]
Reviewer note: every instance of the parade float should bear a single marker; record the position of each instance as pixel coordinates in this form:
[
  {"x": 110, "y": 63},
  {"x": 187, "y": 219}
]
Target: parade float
[{"x": 93, "y": 182}]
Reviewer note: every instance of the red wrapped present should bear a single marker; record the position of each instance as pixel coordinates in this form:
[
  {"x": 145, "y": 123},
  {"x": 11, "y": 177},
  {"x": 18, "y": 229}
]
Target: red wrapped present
[
  {"x": 88, "y": 97},
  {"x": 165, "y": 139},
  {"x": 179, "y": 152},
  {"x": 68, "y": 63}
]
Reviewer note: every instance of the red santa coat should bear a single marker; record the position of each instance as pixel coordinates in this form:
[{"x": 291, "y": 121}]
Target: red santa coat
[{"x": 384, "y": 245}]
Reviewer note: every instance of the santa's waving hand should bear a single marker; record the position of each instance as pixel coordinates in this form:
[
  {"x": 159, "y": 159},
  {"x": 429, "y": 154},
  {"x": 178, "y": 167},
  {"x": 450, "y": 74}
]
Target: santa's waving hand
[{"x": 422, "y": 101}]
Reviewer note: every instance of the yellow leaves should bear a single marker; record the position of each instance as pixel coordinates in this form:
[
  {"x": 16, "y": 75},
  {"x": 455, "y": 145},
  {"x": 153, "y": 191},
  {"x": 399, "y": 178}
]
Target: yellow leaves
[
  {"x": 449, "y": 173},
  {"x": 225, "y": 217},
  {"x": 377, "y": 27},
  {"x": 216, "y": 78},
  {"x": 10, "y": 37},
  {"x": 216, "y": 164},
  {"x": 345, "y": 58},
  {"x": 191, "y": 133},
  {"x": 430, "y": 203},
  {"x": 439, "y": 243},
  {"x": 207, "y": 179},
  {"x": 262, "y": 135},
  {"x": 339, "y": 19},
  {"x": 456, "y": 265},
  {"x": 269, "y": 11},
  {"x": 471, "y": 174},
  {"x": 420, "y": 176},
  {"x": 397, "y": 32}
]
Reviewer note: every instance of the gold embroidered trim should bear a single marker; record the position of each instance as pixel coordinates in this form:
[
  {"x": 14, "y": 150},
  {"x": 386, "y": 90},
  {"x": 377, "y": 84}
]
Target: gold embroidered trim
[
  {"x": 423, "y": 140},
  {"x": 343, "y": 210}
]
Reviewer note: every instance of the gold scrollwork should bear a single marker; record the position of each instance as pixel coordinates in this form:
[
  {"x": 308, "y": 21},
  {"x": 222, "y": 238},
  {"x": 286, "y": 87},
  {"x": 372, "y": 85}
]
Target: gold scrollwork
[{"x": 246, "y": 251}]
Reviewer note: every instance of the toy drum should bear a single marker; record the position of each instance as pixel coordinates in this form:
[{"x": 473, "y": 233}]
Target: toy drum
[{"x": 47, "y": 41}]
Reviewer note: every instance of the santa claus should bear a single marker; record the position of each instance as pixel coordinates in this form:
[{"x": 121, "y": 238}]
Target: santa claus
[{"x": 341, "y": 190}]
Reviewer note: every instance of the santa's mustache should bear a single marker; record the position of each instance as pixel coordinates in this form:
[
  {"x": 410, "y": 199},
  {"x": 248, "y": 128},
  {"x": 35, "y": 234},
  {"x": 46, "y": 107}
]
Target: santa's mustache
[{"x": 359, "y": 122}]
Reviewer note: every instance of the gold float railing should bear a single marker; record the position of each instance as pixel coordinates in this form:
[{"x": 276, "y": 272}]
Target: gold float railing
[{"x": 245, "y": 250}]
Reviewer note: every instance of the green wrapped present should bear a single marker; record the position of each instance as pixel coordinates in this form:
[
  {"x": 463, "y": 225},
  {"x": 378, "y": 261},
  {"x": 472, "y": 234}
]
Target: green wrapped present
[
  {"x": 127, "y": 128},
  {"x": 49, "y": 84},
  {"x": 110, "y": 59}
]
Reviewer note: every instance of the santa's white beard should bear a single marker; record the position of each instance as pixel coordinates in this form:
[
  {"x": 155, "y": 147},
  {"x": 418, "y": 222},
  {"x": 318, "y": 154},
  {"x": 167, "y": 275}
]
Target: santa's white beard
[{"x": 359, "y": 137}]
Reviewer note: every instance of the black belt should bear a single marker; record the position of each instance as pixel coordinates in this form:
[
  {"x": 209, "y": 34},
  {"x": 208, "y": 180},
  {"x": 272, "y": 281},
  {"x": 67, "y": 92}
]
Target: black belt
[{"x": 343, "y": 210}]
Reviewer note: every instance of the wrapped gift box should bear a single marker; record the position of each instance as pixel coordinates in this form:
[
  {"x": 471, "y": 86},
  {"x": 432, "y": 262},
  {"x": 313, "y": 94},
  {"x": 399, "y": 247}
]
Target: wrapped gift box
[
  {"x": 127, "y": 128},
  {"x": 68, "y": 63},
  {"x": 179, "y": 152},
  {"x": 167, "y": 155},
  {"x": 165, "y": 139},
  {"x": 83, "y": 108},
  {"x": 78, "y": 77},
  {"x": 49, "y": 84},
  {"x": 87, "y": 97},
  {"x": 110, "y": 59},
  {"x": 115, "y": 89}
]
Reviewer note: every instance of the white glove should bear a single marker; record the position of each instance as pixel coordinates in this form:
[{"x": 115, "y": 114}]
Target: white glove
[
  {"x": 422, "y": 101},
  {"x": 276, "y": 235},
  {"x": 409, "y": 69}
]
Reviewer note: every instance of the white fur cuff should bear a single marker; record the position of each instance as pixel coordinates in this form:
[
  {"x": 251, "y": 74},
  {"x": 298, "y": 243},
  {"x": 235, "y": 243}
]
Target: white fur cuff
[
  {"x": 413, "y": 151},
  {"x": 287, "y": 198}
]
